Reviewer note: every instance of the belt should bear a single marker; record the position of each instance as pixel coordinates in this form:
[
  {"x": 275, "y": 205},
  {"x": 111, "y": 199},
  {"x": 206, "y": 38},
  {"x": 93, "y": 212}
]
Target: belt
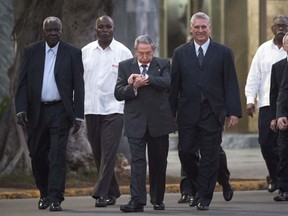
[{"x": 48, "y": 103}]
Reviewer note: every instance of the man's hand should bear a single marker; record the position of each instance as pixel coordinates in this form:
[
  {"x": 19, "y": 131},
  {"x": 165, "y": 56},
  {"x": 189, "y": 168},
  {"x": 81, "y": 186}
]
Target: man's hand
[
  {"x": 140, "y": 81},
  {"x": 273, "y": 125},
  {"x": 76, "y": 126},
  {"x": 22, "y": 119},
  {"x": 250, "y": 109},
  {"x": 232, "y": 121},
  {"x": 282, "y": 123},
  {"x": 132, "y": 77}
]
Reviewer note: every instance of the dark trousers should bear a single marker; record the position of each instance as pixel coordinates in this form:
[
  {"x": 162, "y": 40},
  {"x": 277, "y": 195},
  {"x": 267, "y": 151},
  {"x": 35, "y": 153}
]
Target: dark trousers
[
  {"x": 282, "y": 175},
  {"x": 47, "y": 146},
  {"x": 186, "y": 187},
  {"x": 104, "y": 133},
  {"x": 157, "y": 156},
  {"x": 205, "y": 136},
  {"x": 268, "y": 142}
]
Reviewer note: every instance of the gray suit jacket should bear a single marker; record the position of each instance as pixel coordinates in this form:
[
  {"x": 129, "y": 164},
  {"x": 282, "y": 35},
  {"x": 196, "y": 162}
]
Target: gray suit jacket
[
  {"x": 149, "y": 109},
  {"x": 68, "y": 75}
]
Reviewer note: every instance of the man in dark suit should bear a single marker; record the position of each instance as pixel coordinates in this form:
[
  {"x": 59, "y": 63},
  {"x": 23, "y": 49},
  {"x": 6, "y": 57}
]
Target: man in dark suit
[
  {"x": 279, "y": 80},
  {"x": 143, "y": 82},
  {"x": 49, "y": 101},
  {"x": 204, "y": 90},
  {"x": 276, "y": 77}
]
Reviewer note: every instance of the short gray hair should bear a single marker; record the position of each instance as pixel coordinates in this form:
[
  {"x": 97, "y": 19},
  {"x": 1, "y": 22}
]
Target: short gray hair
[
  {"x": 144, "y": 39},
  {"x": 284, "y": 38},
  {"x": 200, "y": 15},
  {"x": 52, "y": 18}
]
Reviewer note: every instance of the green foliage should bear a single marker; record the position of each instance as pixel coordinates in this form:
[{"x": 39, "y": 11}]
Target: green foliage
[
  {"x": 3, "y": 106},
  {"x": 18, "y": 180}
]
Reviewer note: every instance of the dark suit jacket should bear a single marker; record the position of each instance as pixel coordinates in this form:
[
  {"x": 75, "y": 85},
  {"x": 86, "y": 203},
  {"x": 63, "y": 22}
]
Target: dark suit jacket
[
  {"x": 282, "y": 100},
  {"x": 276, "y": 78},
  {"x": 68, "y": 75},
  {"x": 216, "y": 78},
  {"x": 150, "y": 107}
]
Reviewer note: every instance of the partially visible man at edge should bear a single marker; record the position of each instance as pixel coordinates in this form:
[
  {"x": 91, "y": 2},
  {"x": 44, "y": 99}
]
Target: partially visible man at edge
[
  {"x": 279, "y": 87},
  {"x": 258, "y": 85}
]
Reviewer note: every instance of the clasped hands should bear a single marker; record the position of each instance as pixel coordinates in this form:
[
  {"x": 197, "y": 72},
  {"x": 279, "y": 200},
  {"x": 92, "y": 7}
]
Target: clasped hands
[
  {"x": 22, "y": 120},
  {"x": 138, "y": 80}
]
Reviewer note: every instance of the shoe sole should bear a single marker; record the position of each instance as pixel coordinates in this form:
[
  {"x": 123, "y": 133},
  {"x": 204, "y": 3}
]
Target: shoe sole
[{"x": 136, "y": 210}]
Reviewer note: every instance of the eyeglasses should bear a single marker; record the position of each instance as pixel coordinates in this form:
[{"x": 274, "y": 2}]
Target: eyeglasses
[{"x": 147, "y": 54}]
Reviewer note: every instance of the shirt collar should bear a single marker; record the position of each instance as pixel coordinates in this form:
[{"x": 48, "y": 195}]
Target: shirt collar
[
  {"x": 204, "y": 46},
  {"x": 111, "y": 46},
  {"x": 55, "y": 48},
  {"x": 139, "y": 64}
]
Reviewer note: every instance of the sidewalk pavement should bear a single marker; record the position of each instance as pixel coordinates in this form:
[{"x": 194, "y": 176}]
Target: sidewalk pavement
[
  {"x": 247, "y": 168},
  {"x": 248, "y": 203}
]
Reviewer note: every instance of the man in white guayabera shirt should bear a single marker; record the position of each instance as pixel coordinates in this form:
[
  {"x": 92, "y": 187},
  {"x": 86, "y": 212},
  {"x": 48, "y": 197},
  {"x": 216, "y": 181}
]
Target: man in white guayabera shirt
[{"x": 103, "y": 113}]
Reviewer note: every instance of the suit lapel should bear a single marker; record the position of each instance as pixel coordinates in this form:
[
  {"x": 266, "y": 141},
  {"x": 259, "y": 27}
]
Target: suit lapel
[
  {"x": 191, "y": 53},
  {"x": 40, "y": 64},
  {"x": 135, "y": 67},
  {"x": 60, "y": 56},
  {"x": 209, "y": 52}
]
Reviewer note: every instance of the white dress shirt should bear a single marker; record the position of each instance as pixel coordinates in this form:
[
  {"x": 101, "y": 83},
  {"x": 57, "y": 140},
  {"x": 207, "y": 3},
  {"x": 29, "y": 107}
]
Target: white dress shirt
[
  {"x": 100, "y": 76},
  {"x": 49, "y": 88},
  {"x": 204, "y": 47},
  {"x": 258, "y": 80}
]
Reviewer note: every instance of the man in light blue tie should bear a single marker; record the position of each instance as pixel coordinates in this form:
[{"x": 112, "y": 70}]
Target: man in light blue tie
[{"x": 49, "y": 101}]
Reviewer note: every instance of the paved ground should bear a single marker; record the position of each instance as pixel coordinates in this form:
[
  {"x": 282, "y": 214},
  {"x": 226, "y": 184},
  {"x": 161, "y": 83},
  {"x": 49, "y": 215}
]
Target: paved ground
[
  {"x": 245, "y": 163},
  {"x": 248, "y": 203}
]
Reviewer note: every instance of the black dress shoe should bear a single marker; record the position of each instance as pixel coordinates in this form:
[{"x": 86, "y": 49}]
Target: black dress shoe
[
  {"x": 228, "y": 193},
  {"x": 160, "y": 206},
  {"x": 43, "y": 203},
  {"x": 202, "y": 206},
  {"x": 193, "y": 201},
  {"x": 281, "y": 197},
  {"x": 101, "y": 202},
  {"x": 272, "y": 187},
  {"x": 55, "y": 206},
  {"x": 132, "y": 206},
  {"x": 185, "y": 198},
  {"x": 111, "y": 200}
]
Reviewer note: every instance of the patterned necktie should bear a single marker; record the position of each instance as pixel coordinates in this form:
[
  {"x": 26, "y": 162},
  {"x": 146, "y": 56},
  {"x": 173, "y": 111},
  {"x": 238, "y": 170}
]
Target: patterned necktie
[
  {"x": 144, "y": 71},
  {"x": 200, "y": 55}
]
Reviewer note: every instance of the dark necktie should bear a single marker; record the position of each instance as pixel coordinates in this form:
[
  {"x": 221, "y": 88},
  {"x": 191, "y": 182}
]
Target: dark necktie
[
  {"x": 144, "y": 71},
  {"x": 200, "y": 55}
]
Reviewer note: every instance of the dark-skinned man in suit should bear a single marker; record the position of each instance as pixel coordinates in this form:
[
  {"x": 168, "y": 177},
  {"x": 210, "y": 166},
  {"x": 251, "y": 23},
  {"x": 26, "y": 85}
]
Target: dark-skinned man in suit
[
  {"x": 143, "y": 82},
  {"x": 49, "y": 101},
  {"x": 204, "y": 91}
]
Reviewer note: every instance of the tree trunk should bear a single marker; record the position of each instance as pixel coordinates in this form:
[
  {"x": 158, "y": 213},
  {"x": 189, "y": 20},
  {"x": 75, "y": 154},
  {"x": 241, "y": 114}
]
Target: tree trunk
[{"x": 78, "y": 19}]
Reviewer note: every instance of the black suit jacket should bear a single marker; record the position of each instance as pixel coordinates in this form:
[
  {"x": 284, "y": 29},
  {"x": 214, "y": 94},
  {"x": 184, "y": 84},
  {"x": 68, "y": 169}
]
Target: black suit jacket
[
  {"x": 216, "y": 78},
  {"x": 276, "y": 78},
  {"x": 282, "y": 100},
  {"x": 150, "y": 107},
  {"x": 68, "y": 75}
]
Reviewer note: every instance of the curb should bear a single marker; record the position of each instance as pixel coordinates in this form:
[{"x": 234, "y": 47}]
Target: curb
[{"x": 237, "y": 185}]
